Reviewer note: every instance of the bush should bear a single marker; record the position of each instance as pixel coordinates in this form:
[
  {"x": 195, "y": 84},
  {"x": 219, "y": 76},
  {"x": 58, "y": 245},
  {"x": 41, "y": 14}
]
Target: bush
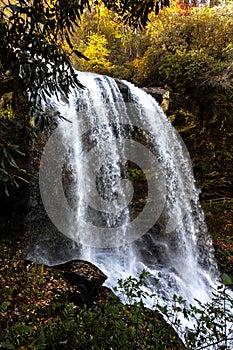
[
  {"x": 35, "y": 313},
  {"x": 191, "y": 54}
]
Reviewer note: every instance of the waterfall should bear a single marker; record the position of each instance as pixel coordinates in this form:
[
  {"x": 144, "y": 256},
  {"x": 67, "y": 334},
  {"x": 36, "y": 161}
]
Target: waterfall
[{"x": 117, "y": 181}]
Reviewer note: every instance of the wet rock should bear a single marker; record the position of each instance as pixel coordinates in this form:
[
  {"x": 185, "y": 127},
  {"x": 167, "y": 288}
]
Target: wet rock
[
  {"x": 160, "y": 95},
  {"x": 124, "y": 90}
]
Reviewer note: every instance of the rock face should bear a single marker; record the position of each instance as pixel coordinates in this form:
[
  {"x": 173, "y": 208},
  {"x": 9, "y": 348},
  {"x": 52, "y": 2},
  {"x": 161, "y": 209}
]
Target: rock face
[
  {"x": 209, "y": 139},
  {"x": 159, "y": 94},
  {"x": 84, "y": 278},
  {"x": 162, "y": 96},
  {"x": 210, "y": 148},
  {"x": 123, "y": 89}
]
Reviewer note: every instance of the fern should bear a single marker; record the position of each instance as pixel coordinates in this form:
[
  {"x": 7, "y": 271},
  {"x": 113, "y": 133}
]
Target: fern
[
  {"x": 41, "y": 345},
  {"x": 3, "y": 307},
  {"x": 7, "y": 345}
]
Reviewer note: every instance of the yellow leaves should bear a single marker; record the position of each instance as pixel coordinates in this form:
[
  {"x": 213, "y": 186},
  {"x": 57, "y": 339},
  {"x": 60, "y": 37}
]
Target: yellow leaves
[
  {"x": 183, "y": 48},
  {"x": 6, "y": 111},
  {"x": 97, "y": 47},
  {"x": 228, "y": 225},
  {"x": 118, "y": 36},
  {"x": 136, "y": 62},
  {"x": 98, "y": 54}
]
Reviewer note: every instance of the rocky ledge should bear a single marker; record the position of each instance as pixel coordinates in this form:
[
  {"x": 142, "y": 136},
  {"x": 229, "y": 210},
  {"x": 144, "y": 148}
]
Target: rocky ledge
[{"x": 84, "y": 279}]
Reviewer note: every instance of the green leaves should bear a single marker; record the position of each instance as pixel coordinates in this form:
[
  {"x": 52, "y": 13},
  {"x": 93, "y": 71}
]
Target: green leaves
[
  {"x": 38, "y": 315},
  {"x": 32, "y": 35},
  {"x": 10, "y": 171},
  {"x": 3, "y": 307},
  {"x": 131, "y": 289},
  {"x": 209, "y": 322},
  {"x": 226, "y": 279}
]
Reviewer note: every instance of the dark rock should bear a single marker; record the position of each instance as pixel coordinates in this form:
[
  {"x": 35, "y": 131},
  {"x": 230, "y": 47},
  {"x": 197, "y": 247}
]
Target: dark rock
[
  {"x": 160, "y": 95},
  {"x": 85, "y": 277},
  {"x": 124, "y": 90},
  {"x": 209, "y": 141}
]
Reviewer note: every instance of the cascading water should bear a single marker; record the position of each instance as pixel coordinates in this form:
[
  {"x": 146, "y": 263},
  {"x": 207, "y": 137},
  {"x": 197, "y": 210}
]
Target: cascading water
[{"x": 133, "y": 196}]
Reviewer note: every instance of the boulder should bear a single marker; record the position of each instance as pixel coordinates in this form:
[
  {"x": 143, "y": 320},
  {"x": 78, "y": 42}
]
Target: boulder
[{"x": 84, "y": 278}]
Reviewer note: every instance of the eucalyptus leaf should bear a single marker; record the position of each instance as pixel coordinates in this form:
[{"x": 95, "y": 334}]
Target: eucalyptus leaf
[{"x": 226, "y": 279}]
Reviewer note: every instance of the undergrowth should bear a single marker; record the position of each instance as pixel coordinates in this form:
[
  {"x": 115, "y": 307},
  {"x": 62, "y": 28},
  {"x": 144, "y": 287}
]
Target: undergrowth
[{"x": 35, "y": 313}]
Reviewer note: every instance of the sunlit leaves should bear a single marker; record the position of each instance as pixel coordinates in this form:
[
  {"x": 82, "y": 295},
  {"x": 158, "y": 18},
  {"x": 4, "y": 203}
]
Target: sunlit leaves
[
  {"x": 189, "y": 50},
  {"x": 32, "y": 35},
  {"x": 116, "y": 45},
  {"x": 98, "y": 55}
]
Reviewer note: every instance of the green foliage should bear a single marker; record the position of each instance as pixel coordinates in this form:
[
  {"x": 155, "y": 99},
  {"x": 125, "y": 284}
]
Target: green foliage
[
  {"x": 210, "y": 323},
  {"x": 137, "y": 174},
  {"x": 10, "y": 171},
  {"x": 213, "y": 321},
  {"x": 3, "y": 307},
  {"x": 131, "y": 289},
  {"x": 36, "y": 314},
  {"x": 29, "y": 41},
  {"x": 32, "y": 35}
]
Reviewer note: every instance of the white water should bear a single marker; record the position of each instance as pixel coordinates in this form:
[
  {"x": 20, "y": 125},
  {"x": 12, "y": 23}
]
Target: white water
[{"x": 169, "y": 238}]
